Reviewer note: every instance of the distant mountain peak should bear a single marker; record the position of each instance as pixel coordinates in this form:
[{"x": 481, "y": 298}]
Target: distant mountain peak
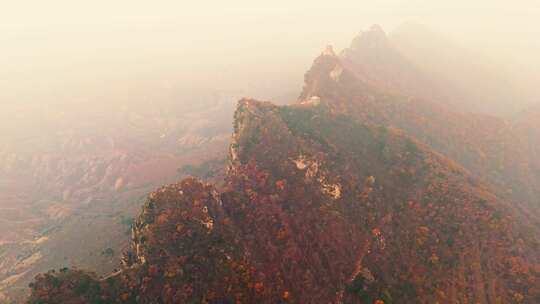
[
  {"x": 374, "y": 37},
  {"x": 328, "y": 51}
]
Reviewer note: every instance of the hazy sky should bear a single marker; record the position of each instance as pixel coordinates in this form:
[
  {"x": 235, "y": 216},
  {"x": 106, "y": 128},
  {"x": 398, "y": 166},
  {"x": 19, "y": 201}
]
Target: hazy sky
[{"x": 61, "y": 49}]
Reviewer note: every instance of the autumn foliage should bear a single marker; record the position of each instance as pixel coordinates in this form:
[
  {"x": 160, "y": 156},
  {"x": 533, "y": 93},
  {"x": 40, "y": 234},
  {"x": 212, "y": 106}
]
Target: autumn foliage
[
  {"x": 318, "y": 208},
  {"x": 356, "y": 194}
]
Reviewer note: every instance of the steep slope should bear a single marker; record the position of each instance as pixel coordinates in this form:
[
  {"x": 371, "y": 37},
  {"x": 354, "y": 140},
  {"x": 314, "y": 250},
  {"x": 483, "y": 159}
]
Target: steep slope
[
  {"x": 491, "y": 148},
  {"x": 320, "y": 208},
  {"x": 183, "y": 249},
  {"x": 527, "y": 125},
  {"x": 379, "y": 63}
]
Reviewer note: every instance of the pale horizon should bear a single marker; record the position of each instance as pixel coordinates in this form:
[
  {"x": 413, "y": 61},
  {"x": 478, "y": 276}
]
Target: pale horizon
[{"x": 61, "y": 50}]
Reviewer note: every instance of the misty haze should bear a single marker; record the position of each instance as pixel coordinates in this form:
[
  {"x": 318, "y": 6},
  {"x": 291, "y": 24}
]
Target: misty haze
[{"x": 371, "y": 152}]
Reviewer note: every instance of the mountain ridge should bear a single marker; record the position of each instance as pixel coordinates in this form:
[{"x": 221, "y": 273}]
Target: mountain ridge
[
  {"x": 492, "y": 148},
  {"x": 316, "y": 217},
  {"x": 363, "y": 191}
]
